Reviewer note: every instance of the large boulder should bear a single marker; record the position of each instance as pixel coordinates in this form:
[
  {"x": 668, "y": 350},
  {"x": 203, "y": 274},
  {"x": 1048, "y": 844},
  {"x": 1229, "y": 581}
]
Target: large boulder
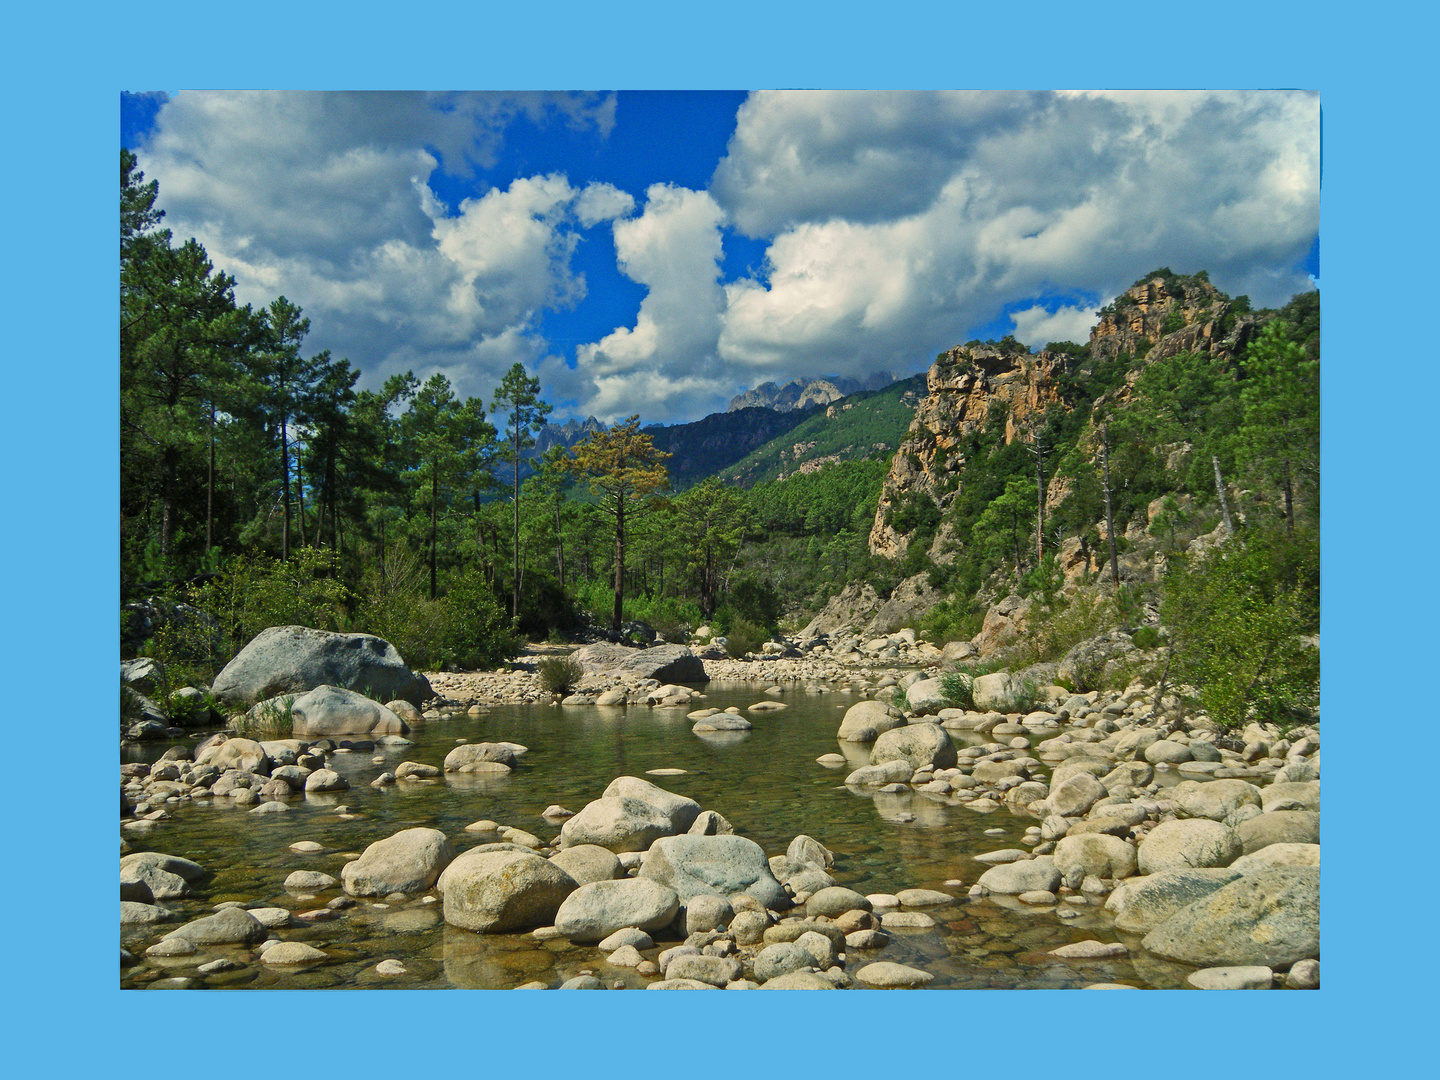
[
  {"x": 410, "y": 861},
  {"x": 1279, "y": 827},
  {"x": 681, "y": 811},
  {"x": 866, "y": 720},
  {"x": 228, "y": 926},
  {"x": 716, "y": 865},
  {"x": 1087, "y": 664},
  {"x": 1075, "y": 794},
  {"x": 597, "y": 909},
  {"x": 1027, "y": 875},
  {"x": 333, "y": 710},
  {"x": 1172, "y": 845},
  {"x": 496, "y": 891},
  {"x": 1000, "y": 691},
  {"x": 915, "y": 744},
  {"x": 296, "y": 659},
  {"x": 663, "y": 663},
  {"x": 927, "y": 696},
  {"x": 480, "y": 757},
  {"x": 589, "y": 862},
  {"x": 616, "y": 823},
  {"x": 1141, "y": 904},
  {"x": 224, "y": 752},
  {"x": 1227, "y": 801},
  {"x": 1270, "y": 918},
  {"x": 1098, "y": 854}
]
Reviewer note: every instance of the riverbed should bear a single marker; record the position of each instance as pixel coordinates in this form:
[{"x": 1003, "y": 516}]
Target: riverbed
[{"x": 766, "y": 782}]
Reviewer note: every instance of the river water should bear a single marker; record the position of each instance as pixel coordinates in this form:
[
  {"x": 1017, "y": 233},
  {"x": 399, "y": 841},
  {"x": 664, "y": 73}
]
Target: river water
[{"x": 766, "y": 782}]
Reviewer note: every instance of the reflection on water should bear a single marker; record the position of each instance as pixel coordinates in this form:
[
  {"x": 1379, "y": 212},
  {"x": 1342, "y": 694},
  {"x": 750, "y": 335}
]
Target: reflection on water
[{"x": 765, "y": 781}]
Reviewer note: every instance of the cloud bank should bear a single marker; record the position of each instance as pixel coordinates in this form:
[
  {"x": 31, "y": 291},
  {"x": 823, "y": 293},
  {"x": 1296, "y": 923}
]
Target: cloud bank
[{"x": 894, "y": 224}]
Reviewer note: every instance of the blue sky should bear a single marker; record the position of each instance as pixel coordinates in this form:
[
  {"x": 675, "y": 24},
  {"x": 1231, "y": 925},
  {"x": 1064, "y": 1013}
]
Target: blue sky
[{"x": 659, "y": 252}]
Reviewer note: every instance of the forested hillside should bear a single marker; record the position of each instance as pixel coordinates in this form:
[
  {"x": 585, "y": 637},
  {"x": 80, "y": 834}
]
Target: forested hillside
[{"x": 261, "y": 487}]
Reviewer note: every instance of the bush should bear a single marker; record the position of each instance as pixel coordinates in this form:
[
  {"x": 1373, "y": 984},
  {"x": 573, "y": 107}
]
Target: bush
[
  {"x": 742, "y": 636},
  {"x": 253, "y": 594},
  {"x": 1147, "y": 637},
  {"x": 463, "y": 628},
  {"x": 951, "y": 620},
  {"x": 268, "y": 720},
  {"x": 560, "y": 674},
  {"x": 1237, "y": 620},
  {"x": 756, "y": 602},
  {"x": 959, "y": 685}
]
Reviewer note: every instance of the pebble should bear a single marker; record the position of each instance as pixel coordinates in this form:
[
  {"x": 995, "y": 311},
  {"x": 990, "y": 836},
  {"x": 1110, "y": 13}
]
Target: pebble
[
  {"x": 666, "y": 772},
  {"x": 390, "y": 967},
  {"x": 306, "y": 847},
  {"x": 1090, "y": 950},
  {"x": 291, "y": 952},
  {"x": 1231, "y": 978},
  {"x": 889, "y": 975},
  {"x": 906, "y": 920}
]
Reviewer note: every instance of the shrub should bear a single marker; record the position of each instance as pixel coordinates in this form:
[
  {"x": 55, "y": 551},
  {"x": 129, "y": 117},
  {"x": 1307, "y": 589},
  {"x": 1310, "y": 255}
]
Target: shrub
[
  {"x": 756, "y": 602},
  {"x": 268, "y": 720},
  {"x": 951, "y": 620},
  {"x": 560, "y": 674},
  {"x": 742, "y": 636},
  {"x": 464, "y": 627},
  {"x": 1236, "y": 621},
  {"x": 1147, "y": 637},
  {"x": 253, "y": 594},
  {"x": 959, "y": 684},
  {"x": 191, "y": 710}
]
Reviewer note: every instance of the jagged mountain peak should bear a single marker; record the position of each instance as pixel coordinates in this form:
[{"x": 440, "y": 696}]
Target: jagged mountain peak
[{"x": 802, "y": 393}]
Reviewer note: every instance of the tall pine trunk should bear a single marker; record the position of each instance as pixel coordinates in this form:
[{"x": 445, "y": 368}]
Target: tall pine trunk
[
  {"x": 285, "y": 487},
  {"x": 615, "y": 617},
  {"x": 434, "y": 507},
  {"x": 515, "y": 574},
  {"x": 1109, "y": 513}
]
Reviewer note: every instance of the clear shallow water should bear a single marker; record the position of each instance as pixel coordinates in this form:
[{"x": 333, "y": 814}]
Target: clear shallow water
[{"x": 766, "y": 782}]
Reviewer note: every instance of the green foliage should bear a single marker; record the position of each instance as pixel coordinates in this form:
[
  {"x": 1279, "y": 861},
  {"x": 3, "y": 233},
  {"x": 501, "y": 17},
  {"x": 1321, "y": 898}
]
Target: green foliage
[
  {"x": 464, "y": 627},
  {"x": 1236, "y": 620},
  {"x": 189, "y": 710},
  {"x": 743, "y": 637},
  {"x": 951, "y": 620},
  {"x": 559, "y": 674},
  {"x": 1173, "y": 322},
  {"x": 1146, "y": 637},
  {"x": 254, "y": 593},
  {"x": 270, "y": 719},
  {"x": 753, "y": 602}
]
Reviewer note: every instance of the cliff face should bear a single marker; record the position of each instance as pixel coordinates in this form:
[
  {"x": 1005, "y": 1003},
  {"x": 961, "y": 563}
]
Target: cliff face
[
  {"x": 1161, "y": 316},
  {"x": 961, "y": 386}
]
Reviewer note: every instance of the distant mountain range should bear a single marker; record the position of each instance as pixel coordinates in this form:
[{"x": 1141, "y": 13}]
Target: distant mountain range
[
  {"x": 803, "y": 393},
  {"x": 752, "y": 430}
]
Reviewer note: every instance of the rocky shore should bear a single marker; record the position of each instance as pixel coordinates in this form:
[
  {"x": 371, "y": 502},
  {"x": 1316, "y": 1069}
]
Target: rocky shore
[{"x": 1201, "y": 845}]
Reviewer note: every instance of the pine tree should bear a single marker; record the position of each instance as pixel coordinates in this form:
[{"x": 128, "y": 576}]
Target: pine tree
[{"x": 623, "y": 467}]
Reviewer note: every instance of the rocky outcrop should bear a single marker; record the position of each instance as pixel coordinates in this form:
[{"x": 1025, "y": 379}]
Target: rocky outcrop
[
  {"x": 962, "y": 386},
  {"x": 297, "y": 659}
]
